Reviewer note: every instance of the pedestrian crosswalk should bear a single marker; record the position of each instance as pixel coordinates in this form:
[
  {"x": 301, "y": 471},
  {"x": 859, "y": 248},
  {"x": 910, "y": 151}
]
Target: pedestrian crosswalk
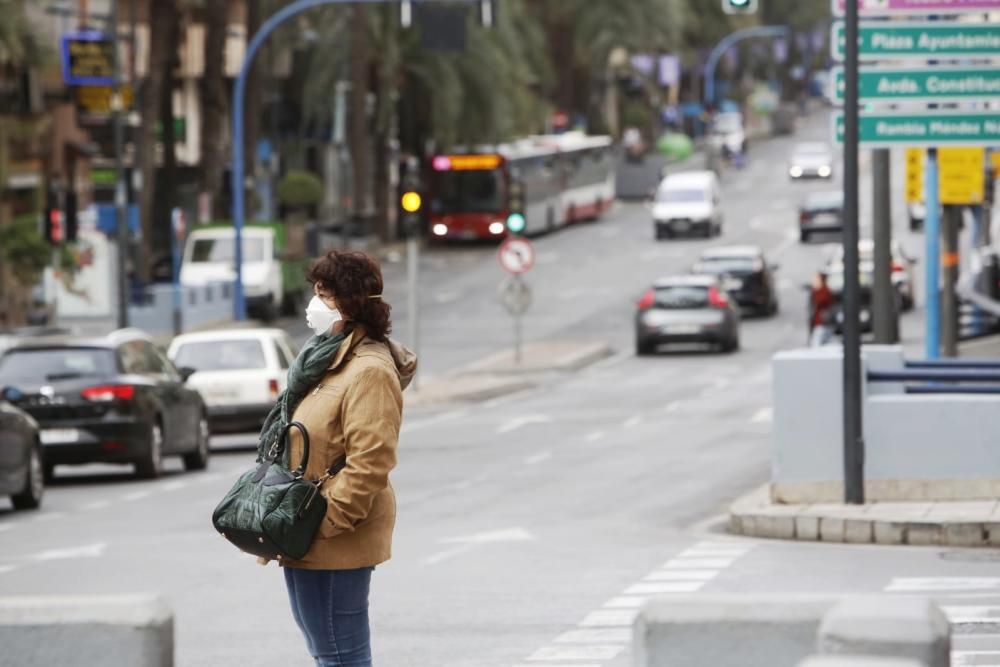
[
  {"x": 972, "y": 605},
  {"x": 603, "y": 634}
]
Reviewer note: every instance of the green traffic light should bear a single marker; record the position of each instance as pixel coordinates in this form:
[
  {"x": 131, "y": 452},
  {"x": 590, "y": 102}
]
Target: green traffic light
[
  {"x": 516, "y": 223},
  {"x": 739, "y": 3}
]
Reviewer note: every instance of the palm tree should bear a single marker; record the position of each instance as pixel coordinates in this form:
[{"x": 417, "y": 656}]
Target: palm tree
[{"x": 214, "y": 105}]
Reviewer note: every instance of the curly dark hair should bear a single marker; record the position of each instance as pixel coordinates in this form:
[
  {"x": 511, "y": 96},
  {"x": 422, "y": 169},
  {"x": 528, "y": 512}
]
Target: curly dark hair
[{"x": 355, "y": 280}]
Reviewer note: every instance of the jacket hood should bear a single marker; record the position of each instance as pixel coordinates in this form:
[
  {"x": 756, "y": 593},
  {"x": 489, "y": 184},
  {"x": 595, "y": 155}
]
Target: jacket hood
[{"x": 405, "y": 360}]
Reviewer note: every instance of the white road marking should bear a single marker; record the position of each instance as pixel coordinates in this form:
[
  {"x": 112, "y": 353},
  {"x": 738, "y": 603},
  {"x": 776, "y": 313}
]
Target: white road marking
[
  {"x": 96, "y": 505},
  {"x": 609, "y": 618},
  {"x": 595, "y": 436},
  {"x": 538, "y": 458},
  {"x": 682, "y": 575},
  {"x": 659, "y": 587},
  {"x": 779, "y": 204},
  {"x": 173, "y": 486},
  {"x": 697, "y": 563},
  {"x": 756, "y": 222},
  {"x": 447, "y": 296},
  {"x": 623, "y": 602},
  {"x": 790, "y": 240},
  {"x": 712, "y": 552},
  {"x": 673, "y": 406},
  {"x": 51, "y": 516},
  {"x": 469, "y": 542},
  {"x": 763, "y": 416},
  {"x": 597, "y": 652},
  {"x": 136, "y": 495},
  {"x": 595, "y": 636},
  {"x": 547, "y": 258},
  {"x": 211, "y": 476},
  {"x": 7, "y": 526},
  {"x": 918, "y": 584},
  {"x": 970, "y": 658},
  {"x": 87, "y": 551},
  {"x": 4, "y": 569},
  {"x": 519, "y": 422},
  {"x": 632, "y": 421}
]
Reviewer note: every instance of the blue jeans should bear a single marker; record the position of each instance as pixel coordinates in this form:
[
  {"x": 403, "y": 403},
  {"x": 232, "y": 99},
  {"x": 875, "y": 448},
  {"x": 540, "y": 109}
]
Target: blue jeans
[{"x": 331, "y": 609}]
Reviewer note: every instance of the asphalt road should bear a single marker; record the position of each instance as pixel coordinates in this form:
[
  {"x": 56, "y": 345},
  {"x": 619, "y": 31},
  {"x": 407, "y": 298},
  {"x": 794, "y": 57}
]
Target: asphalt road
[{"x": 529, "y": 526}]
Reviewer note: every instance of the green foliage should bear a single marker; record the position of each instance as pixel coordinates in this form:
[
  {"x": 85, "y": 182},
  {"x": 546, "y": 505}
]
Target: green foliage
[
  {"x": 24, "y": 249},
  {"x": 300, "y": 188}
]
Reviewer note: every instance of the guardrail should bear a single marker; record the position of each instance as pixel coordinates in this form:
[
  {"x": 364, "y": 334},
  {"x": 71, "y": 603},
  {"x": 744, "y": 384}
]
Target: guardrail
[{"x": 984, "y": 379}]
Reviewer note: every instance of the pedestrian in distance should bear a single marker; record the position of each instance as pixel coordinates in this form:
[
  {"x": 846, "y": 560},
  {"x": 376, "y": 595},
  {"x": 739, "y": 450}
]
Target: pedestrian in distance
[
  {"x": 821, "y": 312},
  {"x": 346, "y": 388}
]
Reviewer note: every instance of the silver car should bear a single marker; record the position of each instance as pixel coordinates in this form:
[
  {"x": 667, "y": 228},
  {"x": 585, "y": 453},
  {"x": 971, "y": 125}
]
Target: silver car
[
  {"x": 811, "y": 160},
  {"x": 686, "y": 309}
]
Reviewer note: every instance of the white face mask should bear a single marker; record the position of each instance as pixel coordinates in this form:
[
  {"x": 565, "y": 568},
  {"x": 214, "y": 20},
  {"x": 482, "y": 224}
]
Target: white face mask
[{"x": 320, "y": 317}]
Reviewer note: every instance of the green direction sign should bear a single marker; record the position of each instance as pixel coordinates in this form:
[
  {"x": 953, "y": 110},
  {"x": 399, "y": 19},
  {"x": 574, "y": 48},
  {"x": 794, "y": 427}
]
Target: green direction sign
[
  {"x": 919, "y": 40},
  {"x": 931, "y": 83},
  {"x": 940, "y": 129}
]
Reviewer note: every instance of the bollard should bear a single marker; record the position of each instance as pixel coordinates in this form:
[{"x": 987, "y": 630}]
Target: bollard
[
  {"x": 96, "y": 631},
  {"x": 884, "y": 626}
]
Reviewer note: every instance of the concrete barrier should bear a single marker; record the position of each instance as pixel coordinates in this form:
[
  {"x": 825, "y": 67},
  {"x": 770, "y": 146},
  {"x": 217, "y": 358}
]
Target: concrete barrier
[
  {"x": 911, "y": 452},
  {"x": 857, "y": 661},
  {"x": 886, "y": 626},
  {"x": 97, "y": 631},
  {"x": 729, "y": 630}
]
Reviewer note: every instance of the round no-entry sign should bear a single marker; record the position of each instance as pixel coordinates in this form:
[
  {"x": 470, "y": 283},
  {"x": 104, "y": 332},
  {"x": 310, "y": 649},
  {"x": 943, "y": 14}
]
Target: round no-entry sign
[{"x": 516, "y": 255}]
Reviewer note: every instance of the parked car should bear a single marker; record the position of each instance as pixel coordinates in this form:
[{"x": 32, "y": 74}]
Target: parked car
[
  {"x": 22, "y": 461},
  {"x": 686, "y": 203},
  {"x": 239, "y": 373},
  {"x": 727, "y": 134},
  {"x": 115, "y": 399},
  {"x": 821, "y": 212},
  {"x": 811, "y": 160},
  {"x": 686, "y": 309},
  {"x": 10, "y": 337},
  {"x": 745, "y": 274}
]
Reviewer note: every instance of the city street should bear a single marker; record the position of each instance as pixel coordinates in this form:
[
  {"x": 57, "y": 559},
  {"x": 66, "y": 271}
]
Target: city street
[{"x": 530, "y": 526}]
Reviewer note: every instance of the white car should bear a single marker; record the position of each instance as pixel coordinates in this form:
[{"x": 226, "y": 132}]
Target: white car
[
  {"x": 688, "y": 202},
  {"x": 238, "y": 372},
  {"x": 811, "y": 160}
]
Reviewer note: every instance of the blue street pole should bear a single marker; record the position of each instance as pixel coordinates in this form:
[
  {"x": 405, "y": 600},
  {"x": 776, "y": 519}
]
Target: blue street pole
[
  {"x": 977, "y": 243},
  {"x": 932, "y": 245},
  {"x": 723, "y": 46},
  {"x": 239, "y": 99}
]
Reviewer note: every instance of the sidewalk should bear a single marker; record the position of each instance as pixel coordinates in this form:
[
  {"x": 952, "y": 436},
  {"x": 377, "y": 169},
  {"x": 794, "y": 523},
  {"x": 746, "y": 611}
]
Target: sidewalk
[
  {"x": 499, "y": 374},
  {"x": 959, "y": 524}
]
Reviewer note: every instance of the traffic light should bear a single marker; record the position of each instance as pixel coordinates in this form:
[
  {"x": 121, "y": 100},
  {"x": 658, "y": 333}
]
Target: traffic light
[
  {"x": 516, "y": 222},
  {"x": 53, "y": 222},
  {"x": 739, "y": 6},
  {"x": 411, "y": 204}
]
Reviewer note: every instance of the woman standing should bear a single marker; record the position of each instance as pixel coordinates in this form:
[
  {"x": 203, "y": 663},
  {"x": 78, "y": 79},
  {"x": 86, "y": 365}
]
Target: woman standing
[{"x": 346, "y": 388}]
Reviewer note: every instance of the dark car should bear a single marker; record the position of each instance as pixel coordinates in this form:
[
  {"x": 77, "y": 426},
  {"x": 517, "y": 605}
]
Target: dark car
[
  {"x": 821, "y": 212},
  {"x": 21, "y": 458},
  {"x": 116, "y": 399},
  {"x": 745, "y": 275},
  {"x": 686, "y": 309}
]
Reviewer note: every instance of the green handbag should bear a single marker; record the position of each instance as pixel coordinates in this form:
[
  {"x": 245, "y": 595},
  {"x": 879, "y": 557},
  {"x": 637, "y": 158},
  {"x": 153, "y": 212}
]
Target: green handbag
[{"x": 271, "y": 511}]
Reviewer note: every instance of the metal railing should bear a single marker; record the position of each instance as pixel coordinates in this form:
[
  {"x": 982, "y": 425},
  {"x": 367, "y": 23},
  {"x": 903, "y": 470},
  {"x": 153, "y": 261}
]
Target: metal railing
[{"x": 944, "y": 376}]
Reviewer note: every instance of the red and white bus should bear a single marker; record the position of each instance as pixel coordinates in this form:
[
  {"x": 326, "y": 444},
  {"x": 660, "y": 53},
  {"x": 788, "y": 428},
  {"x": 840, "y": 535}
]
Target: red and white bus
[{"x": 566, "y": 178}]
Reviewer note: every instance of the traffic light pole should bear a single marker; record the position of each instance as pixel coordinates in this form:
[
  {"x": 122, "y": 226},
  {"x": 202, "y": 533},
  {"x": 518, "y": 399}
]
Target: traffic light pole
[
  {"x": 413, "y": 287},
  {"x": 121, "y": 222}
]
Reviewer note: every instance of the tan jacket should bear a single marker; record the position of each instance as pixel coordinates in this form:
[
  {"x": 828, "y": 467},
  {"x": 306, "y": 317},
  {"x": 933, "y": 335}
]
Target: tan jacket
[{"x": 356, "y": 408}]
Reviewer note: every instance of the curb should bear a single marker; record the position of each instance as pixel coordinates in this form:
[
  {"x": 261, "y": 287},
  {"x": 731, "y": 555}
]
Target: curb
[
  {"x": 460, "y": 390},
  {"x": 754, "y": 515}
]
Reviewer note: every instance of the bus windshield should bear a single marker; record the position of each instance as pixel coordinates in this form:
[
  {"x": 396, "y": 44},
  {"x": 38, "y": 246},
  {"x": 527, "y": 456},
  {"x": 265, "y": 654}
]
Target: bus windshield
[{"x": 474, "y": 191}]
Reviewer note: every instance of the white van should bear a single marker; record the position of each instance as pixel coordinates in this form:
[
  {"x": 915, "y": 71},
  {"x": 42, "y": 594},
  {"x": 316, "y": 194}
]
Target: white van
[{"x": 689, "y": 202}]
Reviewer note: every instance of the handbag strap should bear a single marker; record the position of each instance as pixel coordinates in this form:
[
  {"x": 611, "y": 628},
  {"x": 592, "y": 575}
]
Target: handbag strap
[{"x": 339, "y": 465}]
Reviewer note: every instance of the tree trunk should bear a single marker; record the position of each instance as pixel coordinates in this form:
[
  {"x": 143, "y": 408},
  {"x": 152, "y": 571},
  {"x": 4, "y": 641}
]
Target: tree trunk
[
  {"x": 166, "y": 195},
  {"x": 163, "y": 14},
  {"x": 360, "y": 142},
  {"x": 214, "y": 106}
]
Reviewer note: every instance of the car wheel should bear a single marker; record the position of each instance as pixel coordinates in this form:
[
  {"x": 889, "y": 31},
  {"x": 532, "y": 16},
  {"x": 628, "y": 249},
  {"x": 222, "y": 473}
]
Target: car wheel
[
  {"x": 644, "y": 349},
  {"x": 198, "y": 459},
  {"x": 151, "y": 465},
  {"x": 803, "y": 236},
  {"x": 34, "y": 485},
  {"x": 49, "y": 472}
]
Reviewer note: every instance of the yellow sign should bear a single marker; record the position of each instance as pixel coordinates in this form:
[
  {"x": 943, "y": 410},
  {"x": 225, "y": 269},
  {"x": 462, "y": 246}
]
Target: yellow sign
[
  {"x": 995, "y": 162},
  {"x": 960, "y": 180},
  {"x": 960, "y": 175},
  {"x": 411, "y": 202},
  {"x": 914, "y": 175},
  {"x": 97, "y": 99}
]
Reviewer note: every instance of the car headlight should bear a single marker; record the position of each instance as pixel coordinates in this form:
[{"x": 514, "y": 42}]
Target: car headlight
[
  {"x": 824, "y": 171},
  {"x": 440, "y": 229},
  {"x": 795, "y": 171}
]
